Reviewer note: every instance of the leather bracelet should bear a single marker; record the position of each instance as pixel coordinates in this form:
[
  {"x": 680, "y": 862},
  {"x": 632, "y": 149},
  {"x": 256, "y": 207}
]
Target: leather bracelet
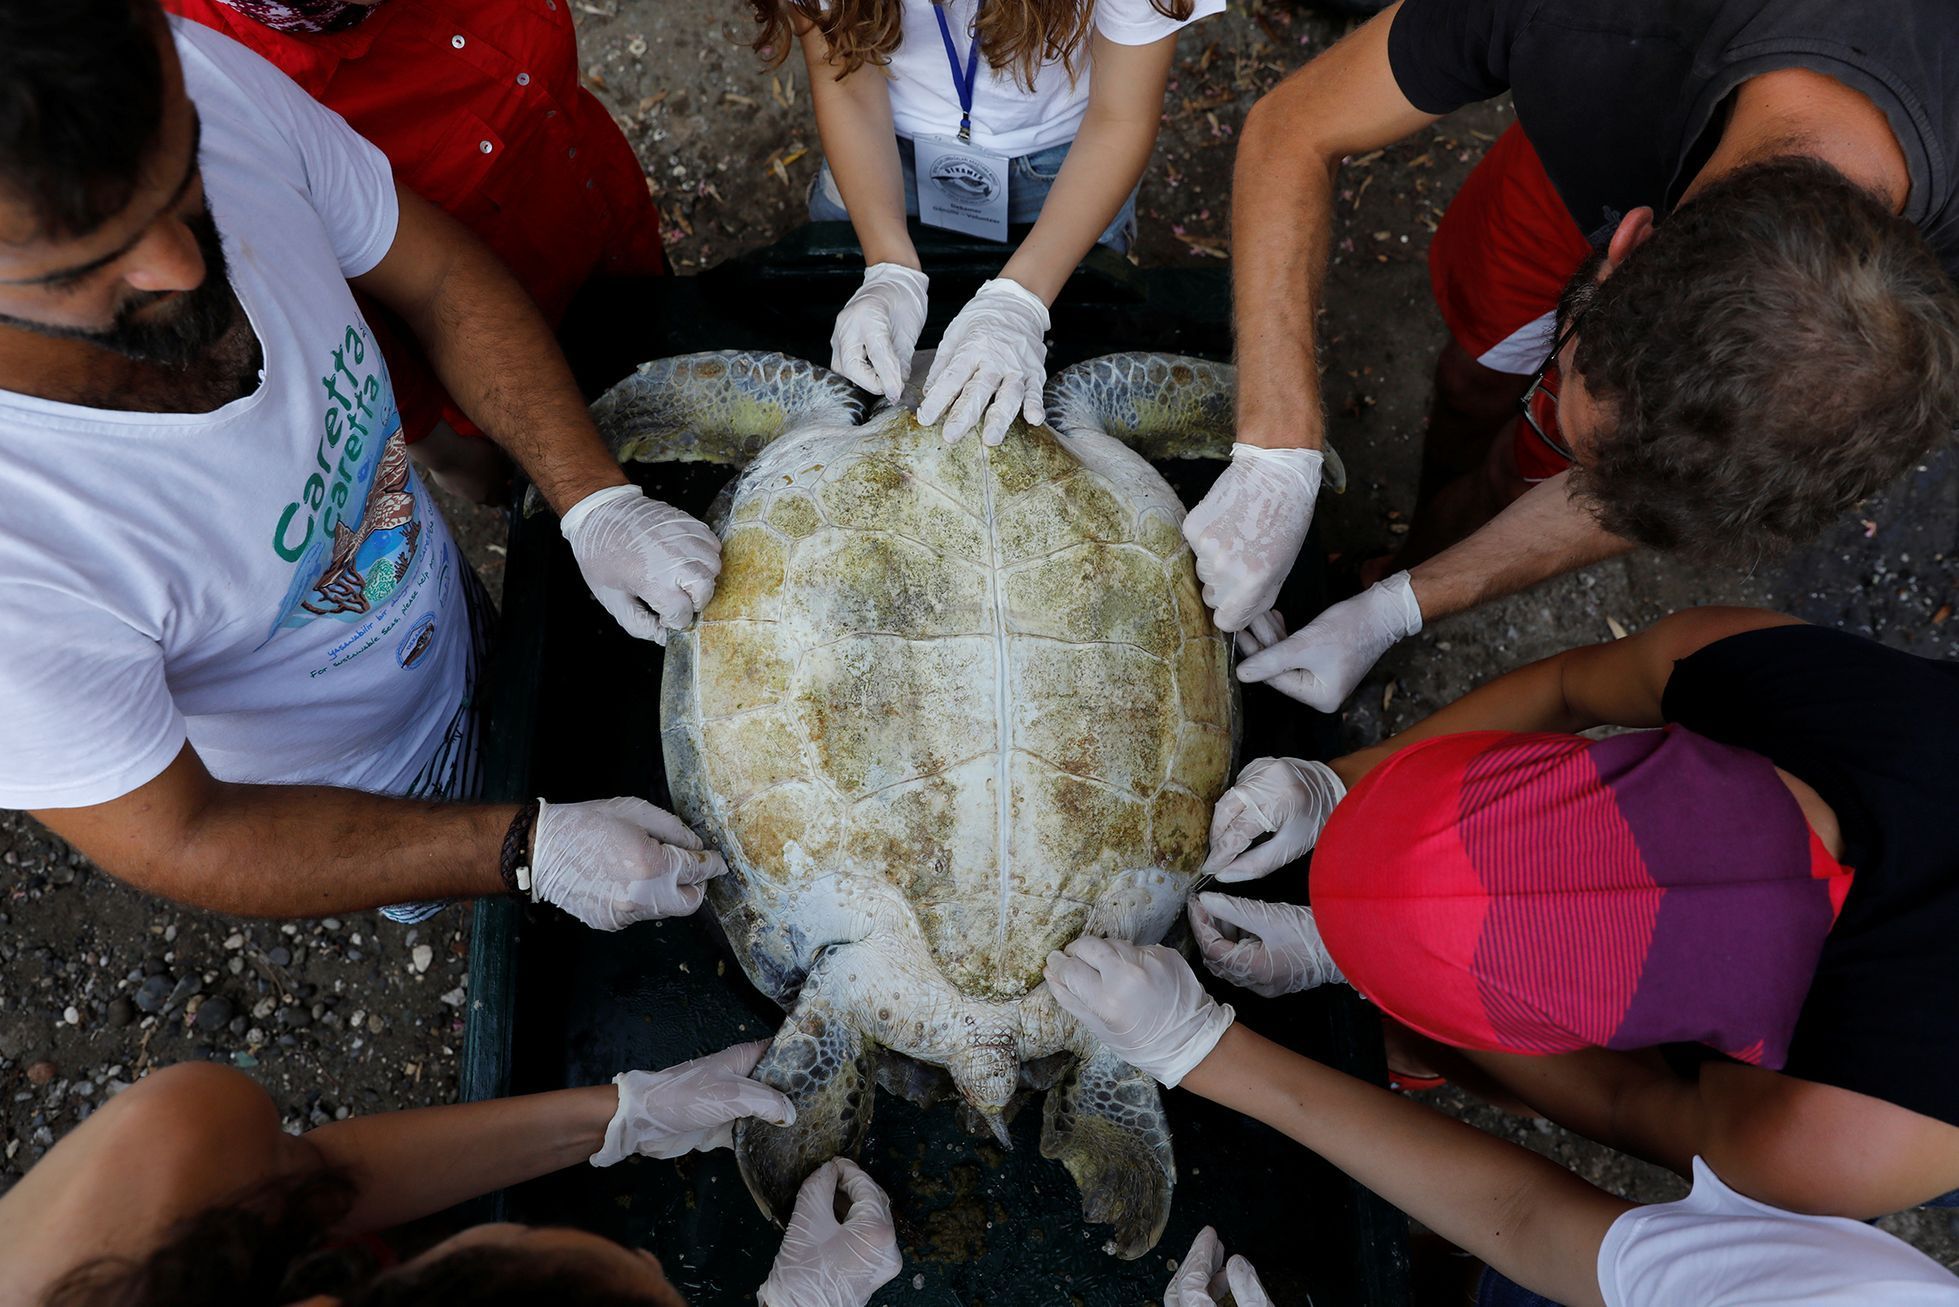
[{"x": 514, "y": 864}]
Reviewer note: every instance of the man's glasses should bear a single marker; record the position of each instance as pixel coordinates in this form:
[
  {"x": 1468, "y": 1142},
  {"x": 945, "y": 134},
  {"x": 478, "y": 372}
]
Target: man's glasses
[{"x": 1540, "y": 401}]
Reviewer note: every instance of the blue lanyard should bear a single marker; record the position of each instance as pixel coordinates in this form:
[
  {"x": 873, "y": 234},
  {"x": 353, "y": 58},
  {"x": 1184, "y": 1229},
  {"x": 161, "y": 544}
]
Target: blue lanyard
[{"x": 965, "y": 83}]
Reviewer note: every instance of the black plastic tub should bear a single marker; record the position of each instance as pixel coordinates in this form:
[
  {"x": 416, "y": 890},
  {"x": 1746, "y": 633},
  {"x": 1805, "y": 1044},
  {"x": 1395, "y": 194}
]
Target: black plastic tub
[{"x": 574, "y": 715}]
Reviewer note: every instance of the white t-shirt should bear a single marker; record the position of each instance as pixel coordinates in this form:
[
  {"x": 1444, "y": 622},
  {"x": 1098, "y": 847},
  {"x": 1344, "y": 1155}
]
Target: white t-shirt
[
  {"x": 1008, "y": 119},
  {"x": 270, "y": 581},
  {"x": 1717, "y": 1248}
]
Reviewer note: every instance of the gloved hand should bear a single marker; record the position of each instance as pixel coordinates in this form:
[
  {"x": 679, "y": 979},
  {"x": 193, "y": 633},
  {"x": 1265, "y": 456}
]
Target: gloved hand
[
  {"x": 1268, "y": 948},
  {"x": 993, "y": 361},
  {"x": 1267, "y": 629},
  {"x": 827, "y": 1263},
  {"x": 690, "y": 1108},
  {"x": 648, "y": 563},
  {"x": 877, "y": 332},
  {"x": 612, "y": 862},
  {"x": 1290, "y": 798},
  {"x": 1204, "y": 1277},
  {"x": 1144, "y": 1003},
  {"x": 1247, "y": 531},
  {"x": 1321, "y": 664}
]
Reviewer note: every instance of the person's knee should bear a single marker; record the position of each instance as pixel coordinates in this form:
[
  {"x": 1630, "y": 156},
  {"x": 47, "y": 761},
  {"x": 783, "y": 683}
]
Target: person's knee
[{"x": 196, "y": 1099}]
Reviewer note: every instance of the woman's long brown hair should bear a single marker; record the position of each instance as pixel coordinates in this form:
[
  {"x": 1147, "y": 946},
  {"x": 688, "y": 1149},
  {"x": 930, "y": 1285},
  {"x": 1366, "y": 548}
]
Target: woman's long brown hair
[{"x": 1016, "y": 36}]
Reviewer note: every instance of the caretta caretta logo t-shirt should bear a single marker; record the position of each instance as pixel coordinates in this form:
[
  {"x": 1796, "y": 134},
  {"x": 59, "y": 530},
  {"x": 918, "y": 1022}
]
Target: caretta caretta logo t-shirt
[
  {"x": 354, "y": 528},
  {"x": 270, "y": 582}
]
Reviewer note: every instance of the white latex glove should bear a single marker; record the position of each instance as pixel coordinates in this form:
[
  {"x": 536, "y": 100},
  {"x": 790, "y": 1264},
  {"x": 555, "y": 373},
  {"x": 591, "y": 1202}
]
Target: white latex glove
[
  {"x": 1204, "y": 1277},
  {"x": 1288, "y": 798},
  {"x": 877, "y": 332},
  {"x": 829, "y": 1263},
  {"x": 1264, "y": 631},
  {"x": 1144, "y": 1003},
  {"x": 1268, "y": 948},
  {"x": 1247, "y": 531},
  {"x": 690, "y": 1108},
  {"x": 651, "y": 565},
  {"x": 992, "y": 360},
  {"x": 612, "y": 862},
  {"x": 1321, "y": 663}
]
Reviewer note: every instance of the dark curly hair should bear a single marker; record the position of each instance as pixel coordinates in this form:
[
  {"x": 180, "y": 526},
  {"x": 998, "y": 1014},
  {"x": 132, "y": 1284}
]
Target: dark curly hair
[
  {"x": 1016, "y": 36},
  {"x": 273, "y": 1245},
  {"x": 1780, "y": 348},
  {"x": 81, "y": 105}
]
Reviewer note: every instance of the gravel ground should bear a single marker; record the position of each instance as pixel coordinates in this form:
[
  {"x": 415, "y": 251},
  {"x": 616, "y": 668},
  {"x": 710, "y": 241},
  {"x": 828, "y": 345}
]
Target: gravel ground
[{"x": 99, "y": 984}]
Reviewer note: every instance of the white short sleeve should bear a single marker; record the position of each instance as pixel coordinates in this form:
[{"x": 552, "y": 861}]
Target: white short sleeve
[
  {"x": 1138, "y": 22},
  {"x": 88, "y": 714},
  {"x": 348, "y": 179},
  {"x": 1717, "y": 1248}
]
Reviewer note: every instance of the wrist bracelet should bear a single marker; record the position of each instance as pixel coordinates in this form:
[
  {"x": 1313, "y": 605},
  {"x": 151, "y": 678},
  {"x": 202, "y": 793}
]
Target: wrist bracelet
[{"x": 514, "y": 864}]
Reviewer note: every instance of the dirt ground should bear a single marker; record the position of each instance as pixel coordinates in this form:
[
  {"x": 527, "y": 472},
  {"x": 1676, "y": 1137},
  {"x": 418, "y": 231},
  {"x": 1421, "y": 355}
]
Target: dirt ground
[{"x": 98, "y": 984}]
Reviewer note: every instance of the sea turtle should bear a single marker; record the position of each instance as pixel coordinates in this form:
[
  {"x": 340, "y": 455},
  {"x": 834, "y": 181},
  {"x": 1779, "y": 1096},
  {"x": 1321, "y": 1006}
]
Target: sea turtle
[{"x": 950, "y": 707}]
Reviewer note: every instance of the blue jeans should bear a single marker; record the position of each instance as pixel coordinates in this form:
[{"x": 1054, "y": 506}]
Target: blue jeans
[
  {"x": 1030, "y": 178},
  {"x": 1493, "y": 1290}
]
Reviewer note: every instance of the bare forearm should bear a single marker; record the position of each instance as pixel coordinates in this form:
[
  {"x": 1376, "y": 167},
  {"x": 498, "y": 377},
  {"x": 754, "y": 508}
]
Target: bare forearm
[
  {"x": 306, "y": 851},
  {"x": 409, "y": 1164},
  {"x": 497, "y": 358},
  {"x": 1526, "y": 1216},
  {"x": 1281, "y": 235},
  {"x": 853, "y": 117},
  {"x": 1545, "y": 533},
  {"x": 1103, "y": 166}
]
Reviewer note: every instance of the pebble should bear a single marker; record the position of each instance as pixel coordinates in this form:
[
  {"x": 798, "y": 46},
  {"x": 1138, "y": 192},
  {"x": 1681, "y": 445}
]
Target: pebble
[
  {"x": 41, "y": 1073},
  {"x": 421, "y": 957},
  {"x": 214, "y": 1014},
  {"x": 72, "y": 1015},
  {"x": 121, "y": 1012},
  {"x": 155, "y": 990},
  {"x": 279, "y": 956},
  {"x": 181, "y": 991}
]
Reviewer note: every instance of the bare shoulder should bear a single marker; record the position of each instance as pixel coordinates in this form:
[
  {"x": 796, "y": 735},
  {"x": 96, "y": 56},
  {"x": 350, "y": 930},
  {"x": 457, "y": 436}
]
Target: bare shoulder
[
  {"x": 1810, "y": 1147},
  {"x": 177, "y": 1141},
  {"x": 1691, "y": 630},
  {"x": 1624, "y": 681}
]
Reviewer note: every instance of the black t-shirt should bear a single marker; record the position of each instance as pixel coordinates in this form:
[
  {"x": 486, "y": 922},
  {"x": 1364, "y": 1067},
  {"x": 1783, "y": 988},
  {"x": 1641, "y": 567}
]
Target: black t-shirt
[
  {"x": 1876, "y": 733},
  {"x": 1622, "y": 97}
]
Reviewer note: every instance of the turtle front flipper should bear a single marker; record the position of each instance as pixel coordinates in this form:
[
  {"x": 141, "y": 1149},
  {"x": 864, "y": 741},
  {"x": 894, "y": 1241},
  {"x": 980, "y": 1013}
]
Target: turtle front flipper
[
  {"x": 1160, "y": 405},
  {"x": 1105, "y": 1123},
  {"x": 824, "y": 1061},
  {"x": 720, "y": 407}
]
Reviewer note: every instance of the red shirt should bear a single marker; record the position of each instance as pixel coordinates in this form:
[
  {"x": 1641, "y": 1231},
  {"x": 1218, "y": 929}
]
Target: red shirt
[{"x": 478, "y": 106}]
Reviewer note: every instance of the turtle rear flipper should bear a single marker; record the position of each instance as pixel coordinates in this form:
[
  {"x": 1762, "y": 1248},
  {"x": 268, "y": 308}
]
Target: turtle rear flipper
[
  {"x": 825, "y": 1063},
  {"x": 719, "y": 407},
  {"x": 1160, "y": 405},
  {"x": 1105, "y": 1123}
]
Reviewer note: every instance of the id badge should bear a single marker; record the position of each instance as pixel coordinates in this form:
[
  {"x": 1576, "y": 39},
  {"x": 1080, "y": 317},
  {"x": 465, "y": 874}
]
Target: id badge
[{"x": 961, "y": 187}]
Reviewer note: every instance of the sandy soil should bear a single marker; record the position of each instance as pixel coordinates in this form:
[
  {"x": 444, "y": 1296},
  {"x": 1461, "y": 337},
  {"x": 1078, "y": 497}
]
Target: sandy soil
[{"x": 98, "y": 984}]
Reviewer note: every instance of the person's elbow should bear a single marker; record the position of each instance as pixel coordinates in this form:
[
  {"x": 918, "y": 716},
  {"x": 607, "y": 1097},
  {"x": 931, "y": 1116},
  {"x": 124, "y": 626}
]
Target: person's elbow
[{"x": 1279, "y": 130}]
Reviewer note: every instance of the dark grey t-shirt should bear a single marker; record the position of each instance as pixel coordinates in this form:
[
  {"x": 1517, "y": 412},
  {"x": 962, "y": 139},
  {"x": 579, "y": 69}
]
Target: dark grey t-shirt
[{"x": 1622, "y": 98}]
